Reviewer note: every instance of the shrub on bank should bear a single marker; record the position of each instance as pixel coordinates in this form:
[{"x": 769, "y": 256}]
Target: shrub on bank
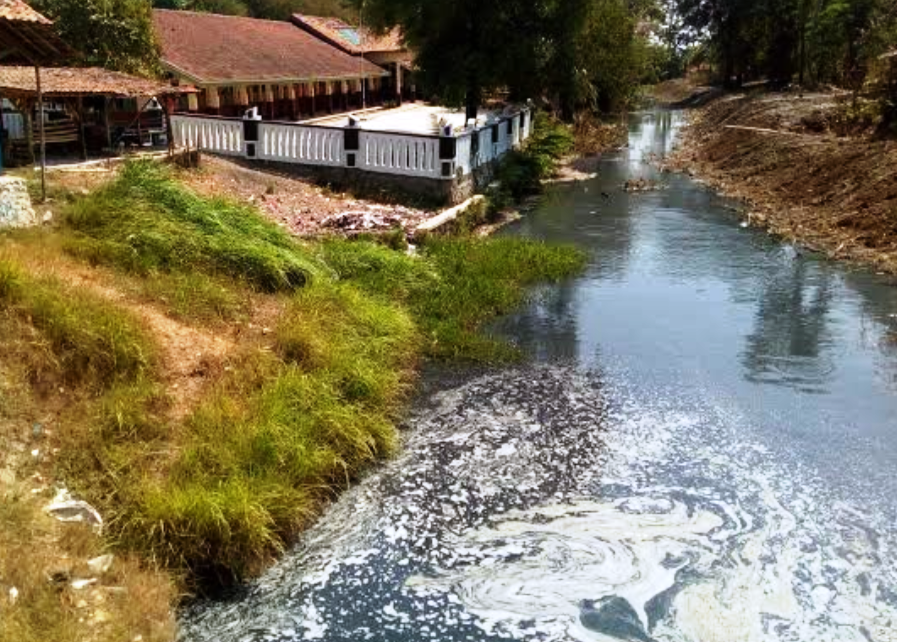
[
  {"x": 521, "y": 172},
  {"x": 144, "y": 221}
]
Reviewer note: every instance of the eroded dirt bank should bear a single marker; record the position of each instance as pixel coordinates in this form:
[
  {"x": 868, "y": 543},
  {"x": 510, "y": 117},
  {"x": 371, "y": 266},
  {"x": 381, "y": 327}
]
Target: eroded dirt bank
[{"x": 810, "y": 168}]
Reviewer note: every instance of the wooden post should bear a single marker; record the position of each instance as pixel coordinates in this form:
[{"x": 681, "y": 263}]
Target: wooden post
[
  {"x": 2, "y": 137},
  {"x": 80, "y": 109},
  {"x": 27, "y": 109},
  {"x": 168, "y": 102},
  {"x": 43, "y": 140},
  {"x": 108, "y": 127}
]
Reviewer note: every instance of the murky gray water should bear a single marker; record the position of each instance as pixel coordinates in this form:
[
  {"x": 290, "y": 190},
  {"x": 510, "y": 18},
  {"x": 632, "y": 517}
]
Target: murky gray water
[{"x": 704, "y": 448}]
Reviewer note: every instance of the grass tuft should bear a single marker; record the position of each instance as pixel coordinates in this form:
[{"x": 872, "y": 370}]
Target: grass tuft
[
  {"x": 456, "y": 286},
  {"x": 278, "y": 435},
  {"x": 144, "y": 221},
  {"x": 91, "y": 339}
]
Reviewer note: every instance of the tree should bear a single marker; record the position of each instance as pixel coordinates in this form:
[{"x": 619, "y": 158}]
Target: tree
[
  {"x": 571, "y": 51},
  {"x": 821, "y": 40},
  {"x": 116, "y": 34},
  {"x": 269, "y": 9}
]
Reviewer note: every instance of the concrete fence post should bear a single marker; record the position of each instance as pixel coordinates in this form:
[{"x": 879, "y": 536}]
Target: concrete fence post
[
  {"x": 448, "y": 151},
  {"x": 251, "y": 126},
  {"x": 351, "y": 143}
]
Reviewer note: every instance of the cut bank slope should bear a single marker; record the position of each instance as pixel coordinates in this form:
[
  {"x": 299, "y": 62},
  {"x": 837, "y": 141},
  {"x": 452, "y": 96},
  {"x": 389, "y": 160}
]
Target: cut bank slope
[{"x": 810, "y": 167}]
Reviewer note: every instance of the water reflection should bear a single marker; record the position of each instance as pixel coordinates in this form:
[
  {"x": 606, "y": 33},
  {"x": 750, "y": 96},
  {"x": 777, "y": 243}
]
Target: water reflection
[{"x": 791, "y": 341}]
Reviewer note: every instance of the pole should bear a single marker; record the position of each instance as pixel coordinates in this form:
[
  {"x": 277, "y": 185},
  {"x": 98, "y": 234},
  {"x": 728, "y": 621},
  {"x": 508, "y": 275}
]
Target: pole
[
  {"x": 81, "y": 127},
  {"x": 2, "y": 136},
  {"x": 361, "y": 58},
  {"x": 43, "y": 139}
]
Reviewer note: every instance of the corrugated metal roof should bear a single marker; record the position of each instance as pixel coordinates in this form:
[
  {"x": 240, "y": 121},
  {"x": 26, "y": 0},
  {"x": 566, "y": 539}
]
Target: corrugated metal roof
[{"x": 215, "y": 49}]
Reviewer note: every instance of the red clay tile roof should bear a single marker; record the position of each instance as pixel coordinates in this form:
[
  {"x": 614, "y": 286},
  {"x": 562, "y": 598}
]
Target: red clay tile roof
[
  {"x": 19, "y": 11},
  {"x": 348, "y": 37},
  {"x": 211, "y": 48},
  {"x": 71, "y": 81}
]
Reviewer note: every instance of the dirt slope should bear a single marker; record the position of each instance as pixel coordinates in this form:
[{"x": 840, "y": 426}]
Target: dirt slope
[{"x": 808, "y": 166}]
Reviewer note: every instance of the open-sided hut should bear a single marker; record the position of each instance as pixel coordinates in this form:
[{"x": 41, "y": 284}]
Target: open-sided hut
[
  {"x": 86, "y": 108},
  {"x": 240, "y": 63},
  {"x": 27, "y": 37}
]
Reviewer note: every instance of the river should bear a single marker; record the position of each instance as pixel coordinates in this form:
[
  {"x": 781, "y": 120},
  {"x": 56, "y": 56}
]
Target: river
[{"x": 701, "y": 447}]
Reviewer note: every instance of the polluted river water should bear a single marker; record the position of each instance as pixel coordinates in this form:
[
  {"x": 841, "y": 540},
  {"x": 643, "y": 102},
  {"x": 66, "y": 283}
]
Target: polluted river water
[{"x": 700, "y": 447}]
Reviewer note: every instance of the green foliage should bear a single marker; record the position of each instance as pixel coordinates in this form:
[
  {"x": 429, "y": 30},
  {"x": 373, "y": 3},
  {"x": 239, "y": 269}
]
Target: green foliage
[
  {"x": 274, "y": 440},
  {"x": 90, "y": 340},
  {"x": 578, "y": 53},
  {"x": 116, "y": 34},
  {"x": 146, "y": 222},
  {"x": 825, "y": 41},
  {"x": 521, "y": 172},
  {"x": 458, "y": 286}
]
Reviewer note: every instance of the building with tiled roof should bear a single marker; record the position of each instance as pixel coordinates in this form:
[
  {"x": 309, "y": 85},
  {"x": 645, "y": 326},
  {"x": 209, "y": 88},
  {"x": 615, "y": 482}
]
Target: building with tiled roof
[
  {"x": 386, "y": 50},
  {"x": 242, "y": 62}
]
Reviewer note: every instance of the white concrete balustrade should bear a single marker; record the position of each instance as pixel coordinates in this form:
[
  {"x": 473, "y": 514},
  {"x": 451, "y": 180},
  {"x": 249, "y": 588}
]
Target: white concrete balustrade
[
  {"x": 300, "y": 144},
  {"x": 387, "y": 152},
  {"x": 399, "y": 153},
  {"x": 218, "y": 135}
]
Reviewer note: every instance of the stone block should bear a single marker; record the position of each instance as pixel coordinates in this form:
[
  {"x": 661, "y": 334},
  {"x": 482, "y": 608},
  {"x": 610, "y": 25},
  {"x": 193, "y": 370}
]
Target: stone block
[{"x": 15, "y": 203}]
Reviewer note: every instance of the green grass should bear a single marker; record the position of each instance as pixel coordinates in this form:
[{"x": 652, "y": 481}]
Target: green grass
[
  {"x": 144, "y": 221},
  {"x": 196, "y": 297},
  {"x": 278, "y": 436},
  {"x": 89, "y": 339},
  {"x": 293, "y": 416},
  {"x": 456, "y": 286}
]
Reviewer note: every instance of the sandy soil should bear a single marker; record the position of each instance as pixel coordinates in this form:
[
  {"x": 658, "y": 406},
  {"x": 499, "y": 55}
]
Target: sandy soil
[
  {"x": 303, "y": 208},
  {"x": 789, "y": 158}
]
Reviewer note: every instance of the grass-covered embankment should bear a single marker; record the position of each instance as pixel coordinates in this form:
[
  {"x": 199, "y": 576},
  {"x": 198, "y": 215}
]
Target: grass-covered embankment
[
  {"x": 287, "y": 416},
  {"x": 62, "y": 349}
]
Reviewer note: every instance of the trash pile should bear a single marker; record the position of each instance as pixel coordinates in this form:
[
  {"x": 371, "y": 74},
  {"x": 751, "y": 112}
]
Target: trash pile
[{"x": 362, "y": 220}]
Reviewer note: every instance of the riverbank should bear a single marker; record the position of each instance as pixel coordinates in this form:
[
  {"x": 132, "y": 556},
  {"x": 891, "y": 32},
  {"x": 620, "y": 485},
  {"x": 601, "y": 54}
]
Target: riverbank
[
  {"x": 810, "y": 168},
  {"x": 208, "y": 383}
]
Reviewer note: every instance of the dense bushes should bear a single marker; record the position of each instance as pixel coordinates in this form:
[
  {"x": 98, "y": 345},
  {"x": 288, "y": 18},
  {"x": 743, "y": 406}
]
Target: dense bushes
[{"x": 521, "y": 172}]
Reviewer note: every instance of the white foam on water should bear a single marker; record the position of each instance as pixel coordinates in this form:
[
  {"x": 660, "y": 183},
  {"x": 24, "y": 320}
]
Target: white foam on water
[
  {"x": 746, "y": 550},
  {"x": 522, "y": 499}
]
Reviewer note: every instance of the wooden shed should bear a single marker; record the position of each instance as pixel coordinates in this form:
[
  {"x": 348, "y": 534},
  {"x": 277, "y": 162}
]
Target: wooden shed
[{"x": 86, "y": 109}]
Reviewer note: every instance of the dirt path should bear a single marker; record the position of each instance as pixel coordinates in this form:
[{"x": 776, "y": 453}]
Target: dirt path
[
  {"x": 803, "y": 173},
  {"x": 190, "y": 356}
]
